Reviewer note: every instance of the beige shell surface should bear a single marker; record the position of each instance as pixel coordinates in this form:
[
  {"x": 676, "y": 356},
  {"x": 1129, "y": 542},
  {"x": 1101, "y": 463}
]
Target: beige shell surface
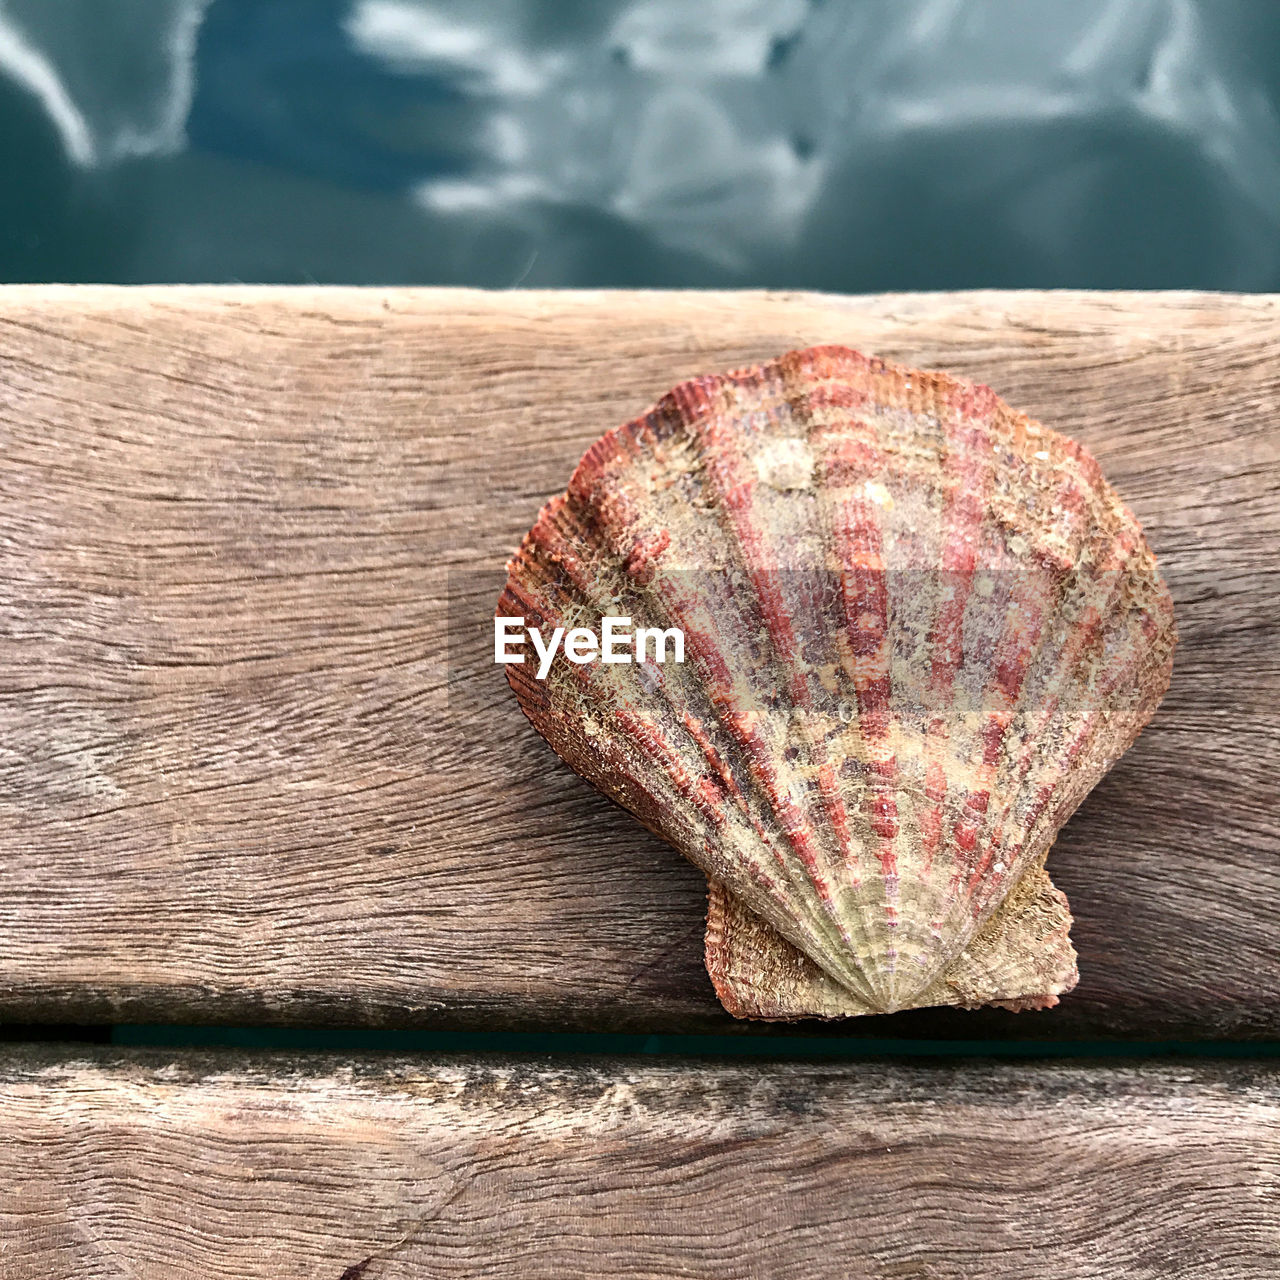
[{"x": 918, "y": 628}]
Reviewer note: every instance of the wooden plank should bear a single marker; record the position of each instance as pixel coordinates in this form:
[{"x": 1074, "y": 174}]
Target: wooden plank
[
  {"x": 635, "y": 1168},
  {"x": 239, "y": 780}
]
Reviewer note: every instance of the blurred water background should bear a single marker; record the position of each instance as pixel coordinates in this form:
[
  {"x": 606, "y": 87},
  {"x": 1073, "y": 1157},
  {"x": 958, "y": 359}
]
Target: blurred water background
[{"x": 856, "y": 145}]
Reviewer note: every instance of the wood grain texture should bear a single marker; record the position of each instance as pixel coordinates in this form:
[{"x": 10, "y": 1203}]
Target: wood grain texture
[
  {"x": 273, "y": 1169},
  {"x": 239, "y": 528}
]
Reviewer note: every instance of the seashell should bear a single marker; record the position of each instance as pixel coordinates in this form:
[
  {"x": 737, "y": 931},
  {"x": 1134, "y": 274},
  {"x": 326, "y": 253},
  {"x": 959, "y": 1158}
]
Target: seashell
[{"x": 919, "y": 627}]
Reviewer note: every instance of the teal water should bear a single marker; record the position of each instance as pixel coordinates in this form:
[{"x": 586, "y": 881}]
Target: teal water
[{"x": 856, "y": 145}]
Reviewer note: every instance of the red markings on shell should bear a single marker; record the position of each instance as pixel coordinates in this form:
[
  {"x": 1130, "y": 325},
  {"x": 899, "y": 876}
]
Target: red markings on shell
[{"x": 919, "y": 627}]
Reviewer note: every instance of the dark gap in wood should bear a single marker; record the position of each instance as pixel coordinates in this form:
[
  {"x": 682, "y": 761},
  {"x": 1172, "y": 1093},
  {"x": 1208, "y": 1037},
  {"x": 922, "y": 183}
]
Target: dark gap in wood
[
  {"x": 780, "y": 1047},
  {"x": 61, "y": 1032}
]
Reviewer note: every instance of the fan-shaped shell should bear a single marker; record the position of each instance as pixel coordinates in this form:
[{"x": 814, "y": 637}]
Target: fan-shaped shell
[{"x": 919, "y": 627}]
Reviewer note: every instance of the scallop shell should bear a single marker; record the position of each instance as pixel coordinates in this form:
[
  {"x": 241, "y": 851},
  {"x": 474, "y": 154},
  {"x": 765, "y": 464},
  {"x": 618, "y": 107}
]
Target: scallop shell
[{"x": 918, "y": 628}]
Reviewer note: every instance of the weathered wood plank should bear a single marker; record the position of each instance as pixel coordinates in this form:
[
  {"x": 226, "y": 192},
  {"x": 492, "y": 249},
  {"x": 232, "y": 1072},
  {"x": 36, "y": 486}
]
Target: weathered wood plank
[
  {"x": 238, "y": 780},
  {"x": 633, "y": 1168}
]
